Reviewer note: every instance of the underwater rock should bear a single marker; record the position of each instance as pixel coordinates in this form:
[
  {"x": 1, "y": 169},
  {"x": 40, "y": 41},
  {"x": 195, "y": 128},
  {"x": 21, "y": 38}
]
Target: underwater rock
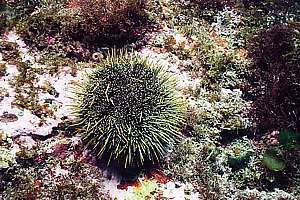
[
  {"x": 2, "y": 69},
  {"x": 25, "y": 147},
  {"x": 3, "y": 93},
  {"x": 8, "y": 117}
]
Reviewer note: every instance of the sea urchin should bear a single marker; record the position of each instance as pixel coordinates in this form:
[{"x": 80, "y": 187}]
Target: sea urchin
[{"x": 128, "y": 112}]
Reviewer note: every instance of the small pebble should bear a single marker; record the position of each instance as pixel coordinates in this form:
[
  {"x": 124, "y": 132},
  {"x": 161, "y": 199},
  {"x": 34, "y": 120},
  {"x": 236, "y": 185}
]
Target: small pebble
[
  {"x": 8, "y": 117},
  {"x": 170, "y": 186}
]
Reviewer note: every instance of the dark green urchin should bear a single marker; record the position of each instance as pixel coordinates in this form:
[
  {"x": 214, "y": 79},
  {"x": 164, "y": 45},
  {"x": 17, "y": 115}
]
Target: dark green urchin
[{"x": 128, "y": 112}]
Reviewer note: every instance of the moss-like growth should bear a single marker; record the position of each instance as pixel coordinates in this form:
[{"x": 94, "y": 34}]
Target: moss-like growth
[
  {"x": 275, "y": 79},
  {"x": 2, "y": 19},
  {"x": 9, "y": 51},
  {"x": 11, "y": 12},
  {"x": 219, "y": 113},
  {"x": 93, "y": 23},
  {"x": 43, "y": 177},
  {"x": 128, "y": 112},
  {"x": 202, "y": 164},
  {"x": 111, "y": 21},
  {"x": 213, "y": 4},
  {"x": 7, "y": 157}
]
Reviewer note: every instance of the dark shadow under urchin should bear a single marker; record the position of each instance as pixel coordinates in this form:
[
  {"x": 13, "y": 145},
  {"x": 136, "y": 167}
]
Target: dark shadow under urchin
[
  {"x": 126, "y": 175},
  {"x": 128, "y": 114}
]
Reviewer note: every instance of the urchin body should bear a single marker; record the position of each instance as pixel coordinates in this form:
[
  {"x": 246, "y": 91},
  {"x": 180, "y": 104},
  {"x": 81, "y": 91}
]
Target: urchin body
[{"x": 128, "y": 113}]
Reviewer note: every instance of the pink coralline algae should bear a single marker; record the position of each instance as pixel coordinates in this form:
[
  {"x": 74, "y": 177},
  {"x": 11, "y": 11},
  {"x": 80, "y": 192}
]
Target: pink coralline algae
[
  {"x": 61, "y": 151},
  {"x": 50, "y": 40}
]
